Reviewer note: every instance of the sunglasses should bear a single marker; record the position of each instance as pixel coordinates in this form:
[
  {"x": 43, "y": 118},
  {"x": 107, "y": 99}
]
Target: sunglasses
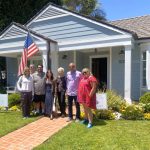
[{"x": 84, "y": 73}]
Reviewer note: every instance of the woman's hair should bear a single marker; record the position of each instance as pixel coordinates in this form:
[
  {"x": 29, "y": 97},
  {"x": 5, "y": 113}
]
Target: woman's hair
[
  {"x": 50, "y": 73},
  {"x": 25, "y": 70},
  {"x": 60, "y": 69},
  {"x": 86, "y": 70}
]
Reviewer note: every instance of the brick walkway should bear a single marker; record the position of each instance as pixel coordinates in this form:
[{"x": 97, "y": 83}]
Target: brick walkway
[{"x": 32, "y": 134}]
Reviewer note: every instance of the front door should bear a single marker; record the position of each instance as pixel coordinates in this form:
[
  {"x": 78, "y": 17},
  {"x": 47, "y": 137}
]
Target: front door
[{"x": 99, "y": 70}]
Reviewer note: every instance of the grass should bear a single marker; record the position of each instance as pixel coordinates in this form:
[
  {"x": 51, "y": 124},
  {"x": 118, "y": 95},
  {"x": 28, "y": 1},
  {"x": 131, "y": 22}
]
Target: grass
[
  {"x": 105, "y": 135},
  {"x": 10, "y": 121}
]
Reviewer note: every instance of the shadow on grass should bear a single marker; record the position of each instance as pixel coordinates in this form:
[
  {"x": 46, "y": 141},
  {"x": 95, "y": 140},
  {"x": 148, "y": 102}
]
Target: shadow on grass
[{"x": 98, "y": 122}]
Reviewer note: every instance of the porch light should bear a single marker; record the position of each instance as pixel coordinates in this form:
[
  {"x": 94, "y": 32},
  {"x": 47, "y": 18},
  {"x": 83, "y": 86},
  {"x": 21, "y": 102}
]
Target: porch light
[
  {"x": 121, "y": 52},
  {"x": 64, "y": 57}
]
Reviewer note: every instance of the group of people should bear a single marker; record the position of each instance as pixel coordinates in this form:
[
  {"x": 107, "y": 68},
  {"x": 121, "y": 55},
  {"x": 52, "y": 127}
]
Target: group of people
[{"x": 41, "y": 89}]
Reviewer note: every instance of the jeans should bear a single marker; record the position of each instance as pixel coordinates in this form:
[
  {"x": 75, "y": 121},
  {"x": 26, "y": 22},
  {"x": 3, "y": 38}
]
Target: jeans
[{"x": 70, "y": 101}]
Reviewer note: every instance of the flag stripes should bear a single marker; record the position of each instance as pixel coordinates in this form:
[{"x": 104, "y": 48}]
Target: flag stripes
[{"x": 29, "y": 50}]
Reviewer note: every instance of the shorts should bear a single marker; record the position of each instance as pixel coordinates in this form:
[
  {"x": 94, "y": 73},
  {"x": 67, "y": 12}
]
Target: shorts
[{"x": 39, "y": 98}]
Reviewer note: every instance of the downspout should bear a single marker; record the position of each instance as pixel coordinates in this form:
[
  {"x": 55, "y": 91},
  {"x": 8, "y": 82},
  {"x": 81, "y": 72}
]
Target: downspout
[{"x": 48, "y": 55}]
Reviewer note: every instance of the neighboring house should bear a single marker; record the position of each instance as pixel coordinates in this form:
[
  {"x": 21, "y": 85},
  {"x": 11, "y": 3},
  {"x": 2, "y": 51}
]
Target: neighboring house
[{"x": 117, "y": 52}]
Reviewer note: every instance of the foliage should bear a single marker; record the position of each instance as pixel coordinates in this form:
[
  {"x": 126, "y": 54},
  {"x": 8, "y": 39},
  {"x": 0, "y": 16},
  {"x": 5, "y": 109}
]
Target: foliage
[
  {"x": 105, "y": 135},
  {"x": 20, "y": 10},
  {"x": 14, "y": 108},
  {"x": 2, "y": 90},
  {"x": 13, "y": 99},
  {"x": 133, "y": 112},
  {"x": 86, "y": 7},
  {"x": 104, "y": 114},
  {"x": 115, "y": 101},
  {"x": 146, "y": 107},
  {"x": 2, "y": 108},
  {"x": 147, "y": 116},
  {"x": 145, "y": 98}
]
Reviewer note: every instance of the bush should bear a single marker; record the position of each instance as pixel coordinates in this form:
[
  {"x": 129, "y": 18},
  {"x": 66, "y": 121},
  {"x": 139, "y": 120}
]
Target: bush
[
  {"x": 14, "y": 99},
  {"x": 115, "y": 101},
  {"x": 147, "y": 116},
  {"x": 146, "y": 107},
  {"x": 104, "y": 114},
  {"x": 133, "y": 112},
  {"x": 145, "y": 98}
]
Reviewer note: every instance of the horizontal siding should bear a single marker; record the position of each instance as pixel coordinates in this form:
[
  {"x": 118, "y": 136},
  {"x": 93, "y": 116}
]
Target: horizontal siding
[
  {"x": 70, "y": 28},
  {"x": 13, "y": 32},
  {"x": 135, "y": 78},
  {"x": 11, "y": 71},
  {"x": 50, "y": 12},
  {"x": 117, "y": 72}
]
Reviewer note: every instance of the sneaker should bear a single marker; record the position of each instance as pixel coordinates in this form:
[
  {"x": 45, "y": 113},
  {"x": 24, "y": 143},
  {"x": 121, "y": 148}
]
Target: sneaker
[
  {"x": 89, "y": 125},
  {"x": 69, "y": 119},
  {"x": 24, "y": 118},
  {"x": 85, "y": 121}
]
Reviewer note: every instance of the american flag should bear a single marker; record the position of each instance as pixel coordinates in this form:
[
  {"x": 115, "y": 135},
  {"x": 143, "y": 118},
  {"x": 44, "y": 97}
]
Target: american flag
[{"x": 29, "y": 50}]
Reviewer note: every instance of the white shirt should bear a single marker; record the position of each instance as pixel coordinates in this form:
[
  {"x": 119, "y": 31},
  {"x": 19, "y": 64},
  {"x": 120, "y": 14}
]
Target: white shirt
[{"x": 25, "y": 84}]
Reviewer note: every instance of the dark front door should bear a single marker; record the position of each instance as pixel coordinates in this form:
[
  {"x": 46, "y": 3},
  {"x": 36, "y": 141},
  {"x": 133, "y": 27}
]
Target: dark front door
[{"x": 99, "y": 70}]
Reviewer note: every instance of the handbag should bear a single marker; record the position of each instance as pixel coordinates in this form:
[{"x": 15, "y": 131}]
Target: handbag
[
  {"x": 101, "y": 101},
  {"x": 54, "y": 105}
]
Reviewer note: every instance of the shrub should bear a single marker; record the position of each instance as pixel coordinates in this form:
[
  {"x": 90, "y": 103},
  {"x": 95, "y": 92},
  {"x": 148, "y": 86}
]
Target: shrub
[
  {"x": 13, "y": 99},
  {"x": 14, "y": 108},
  {"x": 147, "y": 116},
  {"x": 115, "y": 101},
  {"x": 145, "y": 98},
  {"x": 133, "y": 112},
  {"x": 104, "y": 114},
  {"x": 146, "y": 107}
]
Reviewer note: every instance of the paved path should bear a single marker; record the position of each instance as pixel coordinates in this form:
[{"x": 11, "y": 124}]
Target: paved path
[{"x": 32, "y": 134}]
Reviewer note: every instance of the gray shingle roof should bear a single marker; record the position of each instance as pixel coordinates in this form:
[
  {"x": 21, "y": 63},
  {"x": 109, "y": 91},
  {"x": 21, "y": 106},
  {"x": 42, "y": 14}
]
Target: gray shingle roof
[{"x": 139, "y": 25}]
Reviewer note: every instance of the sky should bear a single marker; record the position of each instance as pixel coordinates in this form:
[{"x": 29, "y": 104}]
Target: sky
[{"x": 121, "y": 9}]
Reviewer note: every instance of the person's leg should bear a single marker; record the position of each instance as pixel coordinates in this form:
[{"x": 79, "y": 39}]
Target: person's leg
[
  {"x": 70, "y": 99},
  {"x": 23, "y": 104},
  {"x": 29, "y": 97},
  {"x": 77, "y": 108},
  {"x": 63, "y": 103},
  {"x": 59, "y": 101},
  {"x": 43, "y": 103},
  {"x": 85, "y": 112},
  {"x": 90, "y": 115}
]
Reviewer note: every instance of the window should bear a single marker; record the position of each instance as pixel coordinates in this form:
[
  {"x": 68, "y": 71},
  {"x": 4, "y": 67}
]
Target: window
[{"x": 144, "y": 69}]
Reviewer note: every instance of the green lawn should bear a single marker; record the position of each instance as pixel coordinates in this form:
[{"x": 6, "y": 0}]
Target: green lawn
[
  {"x": 10, "y": 121},
  {"x": 106, "y": 135}
]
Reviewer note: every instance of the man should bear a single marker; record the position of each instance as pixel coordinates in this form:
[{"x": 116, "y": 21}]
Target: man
[
  {"x": 32, "y": 69},
  {"x": 39, "y": 89},
  {"x": 73, "y": 79}
]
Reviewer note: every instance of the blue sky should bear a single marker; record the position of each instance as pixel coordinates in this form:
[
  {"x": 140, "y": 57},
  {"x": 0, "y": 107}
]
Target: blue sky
[{"x": 120, "y": 9}]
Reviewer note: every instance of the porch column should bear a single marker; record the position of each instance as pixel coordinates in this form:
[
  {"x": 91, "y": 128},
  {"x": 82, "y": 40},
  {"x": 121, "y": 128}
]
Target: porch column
[
  {"x": 44, "y": 57},
  {"x": 54, "y": 62},
  {"x": 127, "y": 75}
]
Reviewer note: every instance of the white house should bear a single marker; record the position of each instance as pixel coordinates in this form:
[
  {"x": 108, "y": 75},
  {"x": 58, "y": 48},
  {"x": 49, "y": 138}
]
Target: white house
[{"x": 117, "y": 52}]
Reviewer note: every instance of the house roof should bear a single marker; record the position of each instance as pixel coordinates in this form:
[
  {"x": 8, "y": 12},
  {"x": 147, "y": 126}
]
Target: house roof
[
  {"x": 139, "y": 25},
  {"x": 85, "y": 16},
  {"x": 26, "y": 29}
]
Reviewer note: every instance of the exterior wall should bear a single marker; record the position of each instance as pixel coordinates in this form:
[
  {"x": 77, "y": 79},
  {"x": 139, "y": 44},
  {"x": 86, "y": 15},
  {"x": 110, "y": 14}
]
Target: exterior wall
[
  {"x": 117, "y": 71},
  {"x": 12, "y": 68},
  {"x": 64, "y": 59},
  {"x": 70, "y": 28},
  {"x": 135, "y": 73}
]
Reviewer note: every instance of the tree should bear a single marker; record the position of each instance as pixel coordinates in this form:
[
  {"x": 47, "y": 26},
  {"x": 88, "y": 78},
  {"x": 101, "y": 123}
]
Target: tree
[
  {"x": 86, "y": 7},
  {"x": 20, "y": 10}
]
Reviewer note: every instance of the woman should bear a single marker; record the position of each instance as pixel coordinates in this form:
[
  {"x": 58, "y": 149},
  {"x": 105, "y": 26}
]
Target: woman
[
  {"x": 49, "y": 95},
  {"x": 87, "y": 95},
  {"x": 60, "y": 91},
  {"x": 25, "y": 86}
]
